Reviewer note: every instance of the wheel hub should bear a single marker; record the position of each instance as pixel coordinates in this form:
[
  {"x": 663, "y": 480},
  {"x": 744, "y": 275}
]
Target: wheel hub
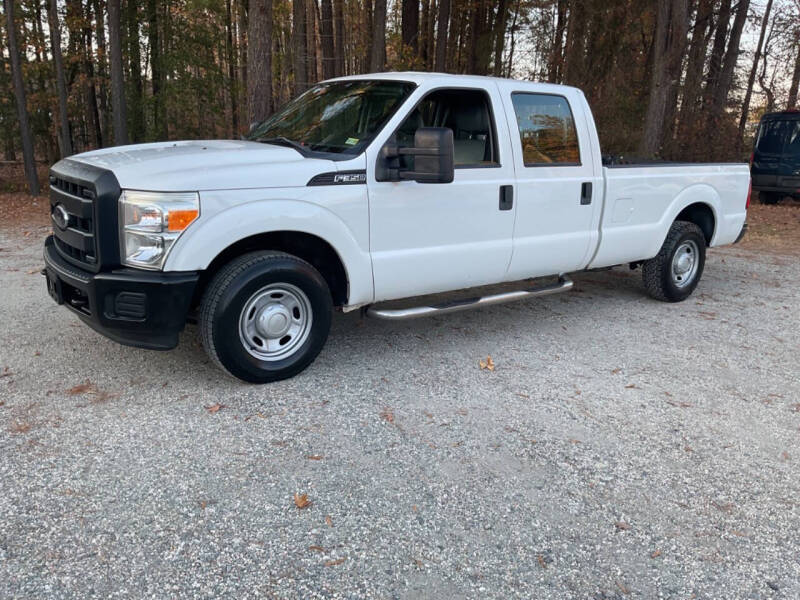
[
  {"x": 685, "y": 263},
  {"x": 273, "y": 321}
]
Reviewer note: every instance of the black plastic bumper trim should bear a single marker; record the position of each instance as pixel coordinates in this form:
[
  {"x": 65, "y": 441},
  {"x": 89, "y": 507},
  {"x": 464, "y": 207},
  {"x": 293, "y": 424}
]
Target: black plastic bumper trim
[
  {"x": 741, "y": 234},
  {"x": 102, "y": 300}
]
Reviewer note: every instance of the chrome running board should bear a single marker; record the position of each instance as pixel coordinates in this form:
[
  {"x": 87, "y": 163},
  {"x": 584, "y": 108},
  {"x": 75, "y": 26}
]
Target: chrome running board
[{"x": 564, "y": 284}]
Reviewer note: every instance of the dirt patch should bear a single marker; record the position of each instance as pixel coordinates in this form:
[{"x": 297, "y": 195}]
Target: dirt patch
[{"x": 774, "y": 228}]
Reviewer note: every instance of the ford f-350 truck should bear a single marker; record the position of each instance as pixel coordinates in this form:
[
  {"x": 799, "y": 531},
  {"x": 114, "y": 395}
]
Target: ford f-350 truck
[{"x": 362, "y": 190}]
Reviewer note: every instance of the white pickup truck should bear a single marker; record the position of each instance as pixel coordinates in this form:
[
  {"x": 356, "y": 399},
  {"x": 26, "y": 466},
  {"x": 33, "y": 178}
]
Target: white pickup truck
[{"x": 363, "y": 190}]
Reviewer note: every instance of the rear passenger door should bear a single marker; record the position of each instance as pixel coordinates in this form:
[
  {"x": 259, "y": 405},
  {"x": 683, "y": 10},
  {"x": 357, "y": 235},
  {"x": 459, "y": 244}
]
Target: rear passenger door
[
  {"x": 559, "y": 188},
  {"x": 427, "y": 238}
]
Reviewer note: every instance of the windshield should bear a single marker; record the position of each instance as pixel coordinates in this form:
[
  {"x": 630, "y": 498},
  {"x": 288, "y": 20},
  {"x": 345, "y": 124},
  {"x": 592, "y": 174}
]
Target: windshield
[
  {"x": 779, "y": 137},
  {"x": 339, "y": 117}
]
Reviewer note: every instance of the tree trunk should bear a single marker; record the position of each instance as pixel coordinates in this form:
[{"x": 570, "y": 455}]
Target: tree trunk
[
  {"x": 556, "y": 63},
  {"x": 156, "y": 71},
  {"x": 61, "y": 85},
  {"x": 717, "y": 52},
  {"x": 326, "y": 40},
  {"x": 752, "y": 78},
  {"x": 377, "y": 55},
  {"x": 92, "y": 109},
  {"x": 500, "y": 33},
  {"x": 242, "y": 17},
  {"x": 118, "y": 103},
  {"x": 311, "y": 43},
  {"x": 102, "y": 63},
  {"x": 259, "y": 60},
  {"x": 338, "y": 36},
  {"x": 668, "y": 45},
  {"x": 19, "y": 97},
  {"x": 440, "y": 62},
  {"x": 136, "y": 112},
  {"x": 299, "y": 46},
  {"x": 723, "y": 87},
  {"x": 693, "y": 83},
  {"x": 575, "y": 44},
  {"x": 233, "y": 84},
  {"x": 410, "y": 25},
  {"x": 792, "y": 103}
]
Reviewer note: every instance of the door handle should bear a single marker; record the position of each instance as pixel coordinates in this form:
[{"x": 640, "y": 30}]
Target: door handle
[
  {"x": 506, "y": 197},
  {"x": 586, "y": 193}
]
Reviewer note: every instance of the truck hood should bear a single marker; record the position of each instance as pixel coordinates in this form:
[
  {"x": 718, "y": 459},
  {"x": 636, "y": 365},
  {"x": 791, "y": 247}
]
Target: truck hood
[{"x": 206, "y": 165}]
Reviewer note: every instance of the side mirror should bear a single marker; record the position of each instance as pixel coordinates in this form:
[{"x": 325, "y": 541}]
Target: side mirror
[{"x": 433, "y": 158}]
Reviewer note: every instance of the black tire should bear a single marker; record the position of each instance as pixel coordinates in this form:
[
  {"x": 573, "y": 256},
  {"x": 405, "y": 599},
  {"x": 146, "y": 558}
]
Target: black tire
[
  {"x": 657, "y": 273},
  {"x": 769, "y": 197},
  {"x": 237, "y": 284}
]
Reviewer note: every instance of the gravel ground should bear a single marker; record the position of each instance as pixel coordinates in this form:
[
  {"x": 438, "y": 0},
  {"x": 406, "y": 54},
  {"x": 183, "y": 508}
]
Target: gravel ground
[{"x": 621, "y": 448}]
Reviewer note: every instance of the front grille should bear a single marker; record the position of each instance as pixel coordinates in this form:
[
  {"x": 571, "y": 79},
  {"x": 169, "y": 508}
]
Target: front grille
[{"x": 77, "y": 240}]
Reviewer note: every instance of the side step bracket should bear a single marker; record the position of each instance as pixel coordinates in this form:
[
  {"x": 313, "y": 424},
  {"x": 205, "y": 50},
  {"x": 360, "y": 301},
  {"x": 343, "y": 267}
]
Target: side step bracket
[{"x": 564, "y": 284}]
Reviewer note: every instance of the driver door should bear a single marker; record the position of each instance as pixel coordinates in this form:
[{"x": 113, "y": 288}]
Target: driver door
[{"x": 427, "y": 238}]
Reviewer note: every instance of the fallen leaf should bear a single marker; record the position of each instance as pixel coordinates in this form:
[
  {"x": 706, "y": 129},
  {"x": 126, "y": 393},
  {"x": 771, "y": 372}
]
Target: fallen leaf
[
  {"x": 6, "y": 372},
  {"x": 632, "y": 386},
  {"x": 540, "y": 558},
  {"x": 37, "y": 353},
  {"x": 81, "y": 388},
  {"x": 739, "y": 533},
  {"x": 214, "y": 408},
  {"x": 328, "y": 521},
  {"x": 333, "y": 563},
  {"x": 574, "y": 441},
  {"x": 34, "y": 271},
  {"x": 615, "y": 371},
  {"x": 623, "y": 589},
  {"x": 678, "y": 404},
  {"x": 203, "y": 504},
  {"x": 656, "y": 554},
  {"x": 486, "y": 364},
  {"x": 301, "y": 500},
  {"x": 785, "y": 455},
  {"x": 316, "y": 548},
  {"x": 795, "y": 407},
  {"x": 622, "y": 526},
  {"x": 387, "y": 415},
  {"x": 315, "y": 457}
]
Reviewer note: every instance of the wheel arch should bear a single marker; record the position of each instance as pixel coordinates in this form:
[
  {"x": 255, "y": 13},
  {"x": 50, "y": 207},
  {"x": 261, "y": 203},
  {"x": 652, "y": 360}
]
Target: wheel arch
[
  {"x": 702, "y": 215},
  {"x": 309, "y": 247}
]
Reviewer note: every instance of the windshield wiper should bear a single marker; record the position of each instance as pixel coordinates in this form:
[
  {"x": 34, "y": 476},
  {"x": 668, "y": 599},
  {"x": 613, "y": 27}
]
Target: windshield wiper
[{"x": 283, "y": 141}]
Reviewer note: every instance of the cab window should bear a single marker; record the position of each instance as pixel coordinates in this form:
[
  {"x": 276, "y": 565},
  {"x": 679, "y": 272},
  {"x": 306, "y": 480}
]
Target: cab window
[
  {"x": 546, "y": 130},
  {"x": 468, "y": 113}
]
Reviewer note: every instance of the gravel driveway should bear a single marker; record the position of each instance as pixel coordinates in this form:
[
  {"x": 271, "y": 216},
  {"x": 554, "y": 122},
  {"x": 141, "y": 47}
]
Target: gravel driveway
[{"x": 621, "y": 448}]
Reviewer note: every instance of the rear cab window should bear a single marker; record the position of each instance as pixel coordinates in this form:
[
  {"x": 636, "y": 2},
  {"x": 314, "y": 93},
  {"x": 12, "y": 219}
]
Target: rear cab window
[
  {"x": 779, "y": 136},
  {"x": 546, "y": 129}
]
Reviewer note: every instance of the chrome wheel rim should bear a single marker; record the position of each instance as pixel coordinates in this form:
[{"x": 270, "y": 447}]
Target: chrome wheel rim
[
  {"x": 685, "y": 263},
  {"x": 275, "y": 321}
]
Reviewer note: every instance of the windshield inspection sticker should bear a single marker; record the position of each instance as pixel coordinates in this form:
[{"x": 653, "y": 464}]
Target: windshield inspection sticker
[{"x": 351, "y": 141}]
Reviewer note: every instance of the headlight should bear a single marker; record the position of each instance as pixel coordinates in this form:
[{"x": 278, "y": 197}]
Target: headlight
[{"x": 150, "y": 222}]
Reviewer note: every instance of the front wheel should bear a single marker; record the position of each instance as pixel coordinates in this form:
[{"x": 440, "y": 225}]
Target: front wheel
[
  {"x": 265, "y": 316},
  {"x": 675, "y": 271}
]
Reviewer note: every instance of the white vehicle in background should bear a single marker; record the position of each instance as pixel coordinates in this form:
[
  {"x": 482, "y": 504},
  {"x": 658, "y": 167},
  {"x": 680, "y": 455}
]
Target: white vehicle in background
[{"x": 363, "y": 190}]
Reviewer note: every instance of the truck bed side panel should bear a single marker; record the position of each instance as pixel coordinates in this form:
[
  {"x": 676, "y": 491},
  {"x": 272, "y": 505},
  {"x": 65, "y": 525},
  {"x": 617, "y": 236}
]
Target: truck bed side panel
[{"x": 641, "y": 204}]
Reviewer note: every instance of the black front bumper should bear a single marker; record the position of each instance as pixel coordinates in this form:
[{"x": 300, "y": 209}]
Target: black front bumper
[{"x": 133, "y": 307}]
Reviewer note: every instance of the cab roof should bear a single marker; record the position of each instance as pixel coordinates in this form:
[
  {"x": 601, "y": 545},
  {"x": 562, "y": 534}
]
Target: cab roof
[
  {"x": 784, "y": 115},
  {"x": 419, "y": 78}
]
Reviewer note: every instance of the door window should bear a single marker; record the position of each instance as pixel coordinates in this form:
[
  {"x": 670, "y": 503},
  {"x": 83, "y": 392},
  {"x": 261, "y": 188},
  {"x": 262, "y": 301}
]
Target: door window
[
  {"x": 546, "y": 130},
  {"x": 468, "y": 114}
]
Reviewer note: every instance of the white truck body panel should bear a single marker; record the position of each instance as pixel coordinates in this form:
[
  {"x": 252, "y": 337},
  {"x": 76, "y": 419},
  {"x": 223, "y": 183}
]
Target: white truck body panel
[{"x": 405, "y": 238}]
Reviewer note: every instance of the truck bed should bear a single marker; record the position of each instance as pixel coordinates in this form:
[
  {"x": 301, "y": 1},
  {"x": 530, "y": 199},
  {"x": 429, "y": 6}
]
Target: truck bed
[{"x": 642, "y": 200}]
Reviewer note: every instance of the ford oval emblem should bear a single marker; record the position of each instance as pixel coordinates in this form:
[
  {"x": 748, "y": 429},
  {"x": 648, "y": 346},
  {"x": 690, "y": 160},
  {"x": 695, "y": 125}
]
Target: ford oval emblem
[{"x": 61, "y": 217}]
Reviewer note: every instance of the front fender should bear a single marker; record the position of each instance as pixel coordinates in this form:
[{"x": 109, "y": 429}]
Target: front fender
[{"x": 226, "y": 220}]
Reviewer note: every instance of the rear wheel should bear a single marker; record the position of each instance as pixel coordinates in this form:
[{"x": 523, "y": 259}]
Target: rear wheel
[
  {"x": 769, "y": 197},
  {"x": 675, "y": 271},
  {"x": 265, "y": 316}
]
